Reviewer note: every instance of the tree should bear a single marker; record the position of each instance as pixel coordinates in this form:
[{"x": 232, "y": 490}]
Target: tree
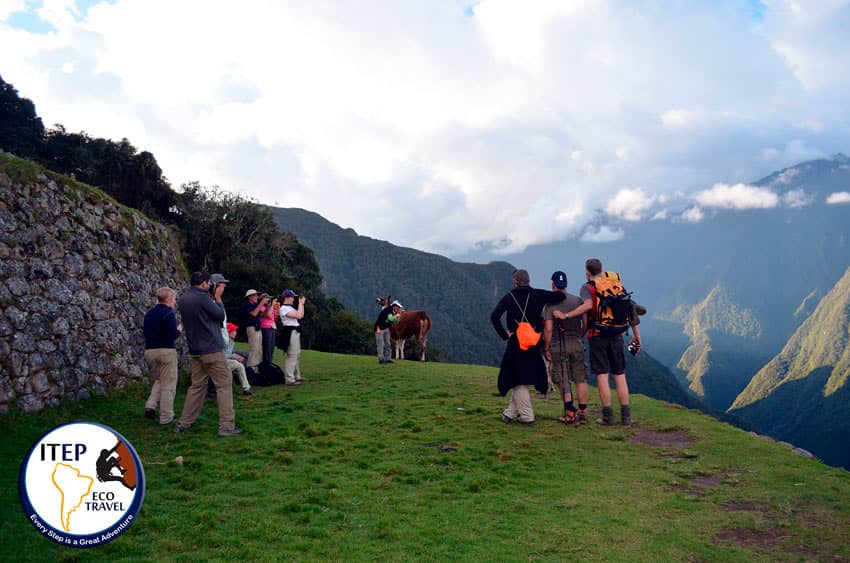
[{"x": 21, "y": 130}]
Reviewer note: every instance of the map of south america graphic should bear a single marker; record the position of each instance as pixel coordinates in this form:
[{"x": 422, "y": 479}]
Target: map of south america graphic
[{"x": 73, "y": 487}]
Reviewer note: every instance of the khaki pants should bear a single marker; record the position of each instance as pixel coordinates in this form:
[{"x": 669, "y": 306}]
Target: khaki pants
[
  {"x": 292, "y": 364},
  {"x": 236, "y": 365},
  {"x": 163, "y": 366},
  {"x": 519, "y": 407},
  {"x": 210, "y": 366},
  {"x": 255, "y": 346}
]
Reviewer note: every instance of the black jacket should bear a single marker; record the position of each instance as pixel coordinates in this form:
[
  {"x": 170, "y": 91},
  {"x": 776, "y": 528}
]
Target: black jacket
[
  {"x": 522, "y": 367},
  {"x": 537, "y": 299}
]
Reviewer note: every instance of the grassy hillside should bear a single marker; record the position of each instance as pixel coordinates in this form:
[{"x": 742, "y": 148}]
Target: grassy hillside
[
  {"x": 410, "y": 461},
  {"x": 802, "y": 394},
  {"x": 724, "y": 350},
  {"x": 459, "y": 297}
]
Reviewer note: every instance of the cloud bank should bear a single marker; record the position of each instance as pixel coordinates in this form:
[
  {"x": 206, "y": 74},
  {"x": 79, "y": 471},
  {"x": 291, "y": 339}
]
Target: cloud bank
[{"x": 450, "y": 126}]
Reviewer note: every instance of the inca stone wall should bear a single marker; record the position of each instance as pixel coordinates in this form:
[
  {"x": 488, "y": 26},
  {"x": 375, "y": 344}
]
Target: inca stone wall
[{"x": 77, "y": 274}]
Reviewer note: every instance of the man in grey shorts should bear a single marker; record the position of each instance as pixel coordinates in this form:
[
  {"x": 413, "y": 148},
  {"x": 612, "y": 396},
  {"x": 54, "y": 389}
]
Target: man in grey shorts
[{"x": 565, "y": 352}]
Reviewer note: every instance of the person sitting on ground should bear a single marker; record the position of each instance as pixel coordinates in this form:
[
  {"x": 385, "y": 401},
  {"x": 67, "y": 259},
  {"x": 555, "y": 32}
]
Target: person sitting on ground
[{"x": 236, "y": 360}]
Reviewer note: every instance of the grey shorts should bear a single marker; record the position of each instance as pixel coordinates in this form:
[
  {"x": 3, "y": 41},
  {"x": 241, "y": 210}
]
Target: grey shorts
[{"x": 568, "y": 363}]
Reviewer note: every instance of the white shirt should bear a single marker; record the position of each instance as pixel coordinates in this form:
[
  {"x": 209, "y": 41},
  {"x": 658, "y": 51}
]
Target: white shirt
[{"x": 287, "y": 321}]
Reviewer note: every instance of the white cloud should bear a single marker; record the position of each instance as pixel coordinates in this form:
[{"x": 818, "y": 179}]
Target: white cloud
[
  {"x": 737, "y": 196},
  {"x": 9, "y": 7},
  {"x": 838, "y": 197},
  {"x": 630, "y": 204},
  {"x": 500, "y": 126},
  {"x": 603, "y": 233},
  {"x": 797, "y": 198},
  {"x": 661, "y": 215},
  {"x": 693, "y": 215}
]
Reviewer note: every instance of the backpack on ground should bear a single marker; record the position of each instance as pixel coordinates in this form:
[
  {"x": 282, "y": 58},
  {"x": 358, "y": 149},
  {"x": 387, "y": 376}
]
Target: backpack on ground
[
  {"x": 265, "y": 375},
  {"x": 613, "y": 304}
]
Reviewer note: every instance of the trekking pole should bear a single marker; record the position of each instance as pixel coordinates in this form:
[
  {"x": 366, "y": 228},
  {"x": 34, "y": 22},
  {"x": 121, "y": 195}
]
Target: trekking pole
[{"x": 565, "y": 364}]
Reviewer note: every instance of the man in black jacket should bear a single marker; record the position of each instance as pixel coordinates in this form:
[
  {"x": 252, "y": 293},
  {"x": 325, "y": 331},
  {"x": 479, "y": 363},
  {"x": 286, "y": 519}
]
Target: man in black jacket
[
  {"x": 202, "y": 315},
  {"x": 521, "y": 368}
]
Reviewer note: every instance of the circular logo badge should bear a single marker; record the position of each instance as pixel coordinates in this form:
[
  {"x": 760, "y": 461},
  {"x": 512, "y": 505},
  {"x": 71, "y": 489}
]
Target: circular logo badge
[{"x": 82, "y": 484}]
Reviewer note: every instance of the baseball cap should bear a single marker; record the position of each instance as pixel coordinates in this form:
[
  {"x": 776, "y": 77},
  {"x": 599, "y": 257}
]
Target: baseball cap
[
  {"x": 232, "y": 327},
  {"x": 199, "y": 277},
  {"x": 218, "y": 278},
  {"x": 289, "y": 293},
  {"x": 251, "y": 292},
  {"x": 559, "y": 278}
]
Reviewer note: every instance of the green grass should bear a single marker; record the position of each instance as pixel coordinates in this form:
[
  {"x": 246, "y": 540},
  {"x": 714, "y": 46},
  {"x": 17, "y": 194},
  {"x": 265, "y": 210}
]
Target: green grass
[{"x": 410, "y": 462}]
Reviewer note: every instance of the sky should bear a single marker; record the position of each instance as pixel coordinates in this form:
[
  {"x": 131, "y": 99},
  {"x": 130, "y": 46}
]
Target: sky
[{"x": 453, "y": 126}]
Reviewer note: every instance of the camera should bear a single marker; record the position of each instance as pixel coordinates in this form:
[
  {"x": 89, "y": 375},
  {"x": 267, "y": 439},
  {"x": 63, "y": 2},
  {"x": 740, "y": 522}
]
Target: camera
[{"x": 633, "y": 347}]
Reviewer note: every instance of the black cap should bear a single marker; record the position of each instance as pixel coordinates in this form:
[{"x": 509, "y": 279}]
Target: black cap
[
  {"x": 199, "y": 277},
  {"x": 559, "y": 278},
  {"x": 218, "y": 278}
]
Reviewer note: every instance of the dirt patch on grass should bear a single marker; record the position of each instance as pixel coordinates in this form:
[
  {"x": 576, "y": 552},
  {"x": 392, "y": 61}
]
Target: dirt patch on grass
[
  {"x": 745, "y": 507},
  {"x": 709, "y": 481},
  {"x": 747, "y": 537},
  {"x": 654, "y": 438}
]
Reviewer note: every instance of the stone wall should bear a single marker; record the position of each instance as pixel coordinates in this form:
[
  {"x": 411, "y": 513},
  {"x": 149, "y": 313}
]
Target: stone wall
[{"x": 78, "y": 271}]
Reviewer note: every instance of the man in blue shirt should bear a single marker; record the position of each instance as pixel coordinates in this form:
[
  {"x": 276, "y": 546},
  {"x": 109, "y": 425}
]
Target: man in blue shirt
[{"x": 160, "y": 329}]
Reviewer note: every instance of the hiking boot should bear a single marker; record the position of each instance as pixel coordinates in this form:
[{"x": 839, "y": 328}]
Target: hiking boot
[
  {"x": 150, "y": 413},
  {"x": 179, "y": 428},
  {"x": 570, "y": 418},
  {"x": 230, "y": 432},
  {"x": 607, "y": 417},
  {"x": 626, "y": 416},
  {"x": 247, "y": 392},
  {"x": 506, "y": 419},
  {"x": 581, "y": 416}
]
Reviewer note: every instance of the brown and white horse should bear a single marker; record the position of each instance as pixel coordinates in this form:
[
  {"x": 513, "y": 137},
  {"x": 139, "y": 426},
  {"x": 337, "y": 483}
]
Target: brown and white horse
[{"x": 411, "y": 323}]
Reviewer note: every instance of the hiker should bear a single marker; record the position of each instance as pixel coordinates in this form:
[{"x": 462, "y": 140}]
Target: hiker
[
  {"x": 236, "y": 360},
  {"x": 251, "y": 308},
  {"x": 268, "y": 327},
  {"x": 202, "y": 316},
  {"x": 389, "y": 314},
  {"x": 565, "y": 352},
  {"x": 160, "y": 328},
  {"x": 522, "y": 364},
  {"x": 605, "y": 338},
  {"x": 289, "y": 319}
]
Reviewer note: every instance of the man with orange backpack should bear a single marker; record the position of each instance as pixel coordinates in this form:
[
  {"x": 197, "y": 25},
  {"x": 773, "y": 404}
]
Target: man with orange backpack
[
  {"x": 522, "y": 365},
  {"x": 611, "y": 313}
]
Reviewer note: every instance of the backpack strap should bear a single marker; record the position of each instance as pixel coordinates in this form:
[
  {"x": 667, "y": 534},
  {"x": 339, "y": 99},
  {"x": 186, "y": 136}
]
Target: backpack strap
[{"x": 522, "y": 309}]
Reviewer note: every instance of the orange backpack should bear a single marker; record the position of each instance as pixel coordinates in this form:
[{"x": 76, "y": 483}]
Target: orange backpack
[
  {"x": 613, "y": 304},
  {"x": 525, "y": 333}
]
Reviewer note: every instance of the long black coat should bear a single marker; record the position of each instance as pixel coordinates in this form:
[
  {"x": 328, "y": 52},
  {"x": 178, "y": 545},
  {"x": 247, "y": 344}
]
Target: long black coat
[{"x": 522, "y": 367}]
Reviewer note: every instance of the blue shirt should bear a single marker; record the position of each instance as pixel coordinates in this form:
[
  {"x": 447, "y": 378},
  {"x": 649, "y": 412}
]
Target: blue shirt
[{"x": 160, "y": 327}]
